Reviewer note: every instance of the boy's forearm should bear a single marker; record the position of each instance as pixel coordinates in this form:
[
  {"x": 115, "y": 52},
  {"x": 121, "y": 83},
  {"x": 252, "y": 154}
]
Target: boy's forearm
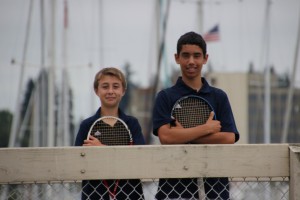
[{"x": 216, "y": 138}]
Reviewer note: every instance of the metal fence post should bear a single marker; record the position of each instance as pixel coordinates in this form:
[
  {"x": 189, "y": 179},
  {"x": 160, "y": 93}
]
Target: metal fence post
[{"x": 294, "y": 172}]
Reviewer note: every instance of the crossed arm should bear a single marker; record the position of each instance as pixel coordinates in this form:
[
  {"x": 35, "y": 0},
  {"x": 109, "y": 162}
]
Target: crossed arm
[{"x": 208, "y": 133}]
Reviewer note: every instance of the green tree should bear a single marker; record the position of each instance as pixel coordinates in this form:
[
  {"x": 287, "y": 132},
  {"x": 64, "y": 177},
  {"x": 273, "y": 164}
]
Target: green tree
[
  {"x": 5, "y": 126},
  {"x": 24, "y": 108}
]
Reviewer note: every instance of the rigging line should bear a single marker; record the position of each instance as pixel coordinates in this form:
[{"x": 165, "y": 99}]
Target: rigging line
[
  {"x": 289, "y": 101},
  {"x": 164, "y": 61},
  {"x": 18, "y": 33},
  {"x": 151, "y": 59},
  {"x": 153, "y": 41},
  {"x": 258, "y": 122},
  {"x": 160, "y": 54},
  {"x": 16, "y": 117},
  {"x": 37, "y": 65},
  {"x": 161, "y": 49}
]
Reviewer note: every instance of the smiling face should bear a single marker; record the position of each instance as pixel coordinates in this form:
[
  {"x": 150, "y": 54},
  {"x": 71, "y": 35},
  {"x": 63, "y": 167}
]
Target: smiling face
[
  {"x": 191, "y": 59},
  {"x": 110, "y": 91},
  {"x": 110, "y": 86}
]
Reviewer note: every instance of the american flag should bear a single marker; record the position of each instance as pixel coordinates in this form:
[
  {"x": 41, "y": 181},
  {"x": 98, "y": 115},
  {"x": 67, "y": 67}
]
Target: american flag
[{"x": 212, "y": 35}]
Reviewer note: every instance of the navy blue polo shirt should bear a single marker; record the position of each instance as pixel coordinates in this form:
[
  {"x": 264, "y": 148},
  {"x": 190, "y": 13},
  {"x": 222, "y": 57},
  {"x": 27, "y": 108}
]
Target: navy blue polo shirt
[
  {"x": 95, "y": 189},
  {"x": 132, "y": 123},
  {"x": 216, "y": 97},
  {"x": 215, "y": 188}
]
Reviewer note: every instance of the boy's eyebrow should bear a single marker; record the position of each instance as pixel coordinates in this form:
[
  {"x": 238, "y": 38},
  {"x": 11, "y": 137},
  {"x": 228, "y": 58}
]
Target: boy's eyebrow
[
  {"x": 106, "y": 83},
  {"x": 194, "y": 53}
]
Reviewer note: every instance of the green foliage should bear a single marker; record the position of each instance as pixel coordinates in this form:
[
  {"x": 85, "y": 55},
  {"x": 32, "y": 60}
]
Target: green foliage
[{"x": 5, "y": 126}]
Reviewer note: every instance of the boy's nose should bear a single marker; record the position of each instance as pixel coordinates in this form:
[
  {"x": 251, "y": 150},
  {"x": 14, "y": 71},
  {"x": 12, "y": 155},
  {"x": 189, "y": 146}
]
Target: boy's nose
[{"x": 191, "y": 59}]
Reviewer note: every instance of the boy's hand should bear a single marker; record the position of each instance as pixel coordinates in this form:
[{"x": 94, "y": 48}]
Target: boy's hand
[
  {"x": 92, "y": 141},
  {"x": 213, "y": 126}
]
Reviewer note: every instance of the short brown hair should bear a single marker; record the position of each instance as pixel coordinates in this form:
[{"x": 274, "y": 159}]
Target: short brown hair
[{"x": 110, "y": 71}]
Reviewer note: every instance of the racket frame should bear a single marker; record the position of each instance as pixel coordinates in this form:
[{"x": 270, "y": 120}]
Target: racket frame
[
  {"x": 112, "y": 194},
  {"x": 185, "y": 97},
  {"x": 115, "y": 118}
]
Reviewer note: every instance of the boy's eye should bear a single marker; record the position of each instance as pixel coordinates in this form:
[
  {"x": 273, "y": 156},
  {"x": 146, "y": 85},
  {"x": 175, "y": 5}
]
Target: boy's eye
[
  {"x": 113, "y": 86},
  {"x": 197, "y": 55},
  {"x": 188, "y": 55},
  {"x": 185, "y": 55}
]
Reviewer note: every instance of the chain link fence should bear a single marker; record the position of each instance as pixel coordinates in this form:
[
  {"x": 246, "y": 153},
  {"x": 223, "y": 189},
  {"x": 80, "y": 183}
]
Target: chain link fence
[{"x": 150, "y": 189}]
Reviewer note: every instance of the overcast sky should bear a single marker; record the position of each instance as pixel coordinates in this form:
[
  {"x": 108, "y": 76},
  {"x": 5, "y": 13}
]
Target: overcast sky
[{"x": 129, "y": 35}]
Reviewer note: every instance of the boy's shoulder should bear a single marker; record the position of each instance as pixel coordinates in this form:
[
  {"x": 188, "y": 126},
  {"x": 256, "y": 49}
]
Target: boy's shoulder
[
  {"x": 127, "y": 118},
  {"x": 216, "y": 89},
  {"x": 172, "y": 89},
  {"x": 88, "y": 121}
]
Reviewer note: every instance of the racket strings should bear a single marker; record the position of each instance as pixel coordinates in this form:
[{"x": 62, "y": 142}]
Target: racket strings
[
  {"x": 191, "y": 112},
  {"x": 116, "y": 134}
]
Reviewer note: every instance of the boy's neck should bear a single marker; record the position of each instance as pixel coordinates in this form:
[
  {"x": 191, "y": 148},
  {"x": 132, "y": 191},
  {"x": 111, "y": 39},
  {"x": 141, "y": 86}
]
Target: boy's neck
[
  {"x": 195, "y": 83},
  {"x": 109, "y": 112}
]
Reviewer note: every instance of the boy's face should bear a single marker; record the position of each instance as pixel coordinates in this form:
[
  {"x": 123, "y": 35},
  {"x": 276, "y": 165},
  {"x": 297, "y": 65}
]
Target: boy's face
[
  {"x": 110, "y": 91},
  {"x": 191, "y": 60}
]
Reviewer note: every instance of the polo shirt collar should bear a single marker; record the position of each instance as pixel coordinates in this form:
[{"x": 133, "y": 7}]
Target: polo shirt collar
[
  {"x": 122, "y": 115},
  {"x": 204, "y": 89}
]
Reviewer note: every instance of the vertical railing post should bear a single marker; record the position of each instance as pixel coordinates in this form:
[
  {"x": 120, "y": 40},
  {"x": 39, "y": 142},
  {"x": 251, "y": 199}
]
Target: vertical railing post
[{"x": 294, "y": 172}]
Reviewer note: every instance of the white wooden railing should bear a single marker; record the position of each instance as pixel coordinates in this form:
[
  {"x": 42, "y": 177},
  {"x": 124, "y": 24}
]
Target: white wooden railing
[{"x": 38, "y": 165}]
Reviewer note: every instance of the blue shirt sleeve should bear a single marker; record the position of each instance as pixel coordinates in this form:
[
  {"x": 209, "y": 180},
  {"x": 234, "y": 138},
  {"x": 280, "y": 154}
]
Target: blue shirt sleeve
[
  {"x": 82, "y": 132},
  {"x": 225, "y": 115},
  {"x": 161, "y": 111}
]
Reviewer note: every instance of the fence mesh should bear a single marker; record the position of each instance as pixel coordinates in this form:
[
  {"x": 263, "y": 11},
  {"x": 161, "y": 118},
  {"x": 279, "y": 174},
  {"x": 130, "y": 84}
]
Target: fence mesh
[{"x": 189, "y": 188}]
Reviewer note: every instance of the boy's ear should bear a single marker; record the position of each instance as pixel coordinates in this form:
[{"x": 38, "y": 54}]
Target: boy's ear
[
  {"x": 96, "y": 91},
  {"x": 176, "y": 58},
  {"x": 206, "y": 58}
]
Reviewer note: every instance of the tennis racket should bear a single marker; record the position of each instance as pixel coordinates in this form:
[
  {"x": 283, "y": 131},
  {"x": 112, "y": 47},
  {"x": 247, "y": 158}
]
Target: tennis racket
[
  {"x": 111, "y": 131},
  {"x": 191, "y": 111}
]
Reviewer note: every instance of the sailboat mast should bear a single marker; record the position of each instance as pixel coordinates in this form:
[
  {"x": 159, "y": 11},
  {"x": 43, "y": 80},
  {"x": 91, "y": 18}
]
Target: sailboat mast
[
  {"x": 289, "y": 101},
  {"x": 267, "y": 99},
  {"x": 50, "y": 138},
  {"x": 65, "y": 82},
  {"x": 42, "y": 91}
]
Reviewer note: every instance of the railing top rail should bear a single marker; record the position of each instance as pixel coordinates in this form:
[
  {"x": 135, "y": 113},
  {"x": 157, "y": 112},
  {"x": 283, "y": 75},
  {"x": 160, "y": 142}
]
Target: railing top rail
[{"x": 148, "y": 161}]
